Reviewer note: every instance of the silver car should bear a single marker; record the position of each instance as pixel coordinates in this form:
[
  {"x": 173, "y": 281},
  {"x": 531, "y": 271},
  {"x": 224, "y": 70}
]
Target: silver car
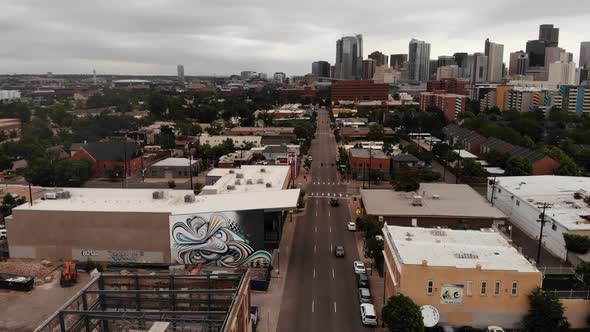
[{"x": 364, "y": 295}]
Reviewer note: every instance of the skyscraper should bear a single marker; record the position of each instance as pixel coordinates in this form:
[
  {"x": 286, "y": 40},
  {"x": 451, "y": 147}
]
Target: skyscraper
[
  {"x": 432, "y": 68},
  {"x": 561, "y": 72},
  {"x": 519, "y": 63},
  {"x": 180, "y": 73},
  {"x": 369, "y": 66},
  {"x": 419, "y": 60},
  {"x": 380, "y": 58},
  {"x": 460, "y": 59},
  {"x": 320, "y": 69},
  {"x": 446, "y": 60},
  {"x": 397, "y": 61},
  {"x": 536, "y": 52},
  {"x": 480, "y": 68},
  {"x": 549, "y": 35},
  {"x": 584, "y": 55},
  {"x": 349, "y": 58},
  {"x": 495, "y": 54}
]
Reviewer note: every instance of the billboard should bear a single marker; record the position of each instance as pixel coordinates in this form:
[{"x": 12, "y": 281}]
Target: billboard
[
  {"x": 451, "y": 294},
  {"x": 220, "y": 238}
]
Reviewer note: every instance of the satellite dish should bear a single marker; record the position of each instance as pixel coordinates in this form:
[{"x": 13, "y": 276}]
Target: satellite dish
[{"x": 430, "y": 315}]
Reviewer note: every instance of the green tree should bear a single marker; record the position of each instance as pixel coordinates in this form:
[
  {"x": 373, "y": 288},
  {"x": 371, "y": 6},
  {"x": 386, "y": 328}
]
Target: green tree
[
  {"x": 473, "y": 169},
  {"x": 167, "y": 137},
  {"x": 579, "y": 244},
  {"x": 41, "y": 172},
  {"x": 401, "y": 314},
  {"x": 376, "y": 133},
  {"x": 518, "y": 166},
  {"x": 567, "y": 166},
  {"x": 583, "y": 276},
  {"x": 72, "y": 172},
  {"x": 9, "y": 201},
  {"x": 546, "y": 313},
  {"x": 497, "y": 158},
  {"x": 405, "y": 183},
  {"x": 157, "y": 104},
  {"x": 5, "y": 162}
]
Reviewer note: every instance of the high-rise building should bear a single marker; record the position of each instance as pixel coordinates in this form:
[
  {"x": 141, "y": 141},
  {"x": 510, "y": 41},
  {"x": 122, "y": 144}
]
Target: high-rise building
[
  {"x": 549, "y": 35},
  {"x": 460, "y": 59},
  {"x": 445, "y": 60},
  {"x": 380, "y": 58},
  {"x": 536, "y": 52},
  {"x": 452, "y": 71},
  {"x": 180, "y": 73},
  {"x": 94, "y": 76},
  {"x": 332, "y": 71},
  {"x": 562, "y": 73},
  {"x": 419, "y": 61},
  {"x": 247, "y": 74},
  {"x": 279, "y": 76},
  {"x": 320, "y": 69},
  {"x": 349, "y": 57},
  {"x": 584, "y": 55},
  {"x": 554, "y": 54},
  {"x": 398, "y": 61},
  {"x": 495, "y": 54},
  {"x": 480, "y": 68},
  {"x": 432, "y": 69},
  {"x": 369, "y": 66},
  {"x": 519, "y": 63}
]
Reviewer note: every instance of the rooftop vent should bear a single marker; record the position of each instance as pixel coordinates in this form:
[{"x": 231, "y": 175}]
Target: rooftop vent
[
  {"x": 263, "y": 170},
  {"x": 231, "y": 187},
  {"x": 239, "y": 175},
  {"x": 435, "y": 196},
  {"x": 237, "y": 182},
  {"x": 249, "y": 181},
  {"x": 465, "y": 255},
  {"x": 259, "y": 181},
  {"x": 231, "y": 171},
  {"x": 158, "y": 194},
  {"x": 50, "y": 195},
  {"x": 438, "y": 232},
  {"x": 417, "y": 200},
  {"x": 189, "y": 198},
  {"x": 268, "y": 184}
]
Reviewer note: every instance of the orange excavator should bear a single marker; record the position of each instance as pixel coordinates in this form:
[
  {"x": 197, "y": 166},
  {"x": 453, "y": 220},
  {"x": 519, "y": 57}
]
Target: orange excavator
[{"x": 69, "y": 276}]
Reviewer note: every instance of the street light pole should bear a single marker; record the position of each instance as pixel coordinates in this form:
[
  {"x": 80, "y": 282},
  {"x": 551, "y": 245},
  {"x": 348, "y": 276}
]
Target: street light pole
[{"x": 542, "y": 221}]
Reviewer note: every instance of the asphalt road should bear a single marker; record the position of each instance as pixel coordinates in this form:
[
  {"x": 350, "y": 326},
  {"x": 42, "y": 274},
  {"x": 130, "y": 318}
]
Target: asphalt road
[{"x": 320, "y": 289}]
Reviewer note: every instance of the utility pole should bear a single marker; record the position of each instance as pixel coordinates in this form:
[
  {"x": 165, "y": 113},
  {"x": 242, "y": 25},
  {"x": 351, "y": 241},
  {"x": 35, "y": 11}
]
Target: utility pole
[
  {"x": 493, "y": 191},
  {"x": 370, "y": 163},
  {"x": 190, "y": 163},
  {"x": 542, "y": 221}
]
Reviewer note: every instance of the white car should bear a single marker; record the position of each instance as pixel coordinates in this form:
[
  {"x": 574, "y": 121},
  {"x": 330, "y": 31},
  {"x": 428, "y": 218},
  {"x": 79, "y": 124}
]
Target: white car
[
  {"x": 368, "y": 316},
  {"x": 359, "y": 267},
  {"x": 495, "y": 329},
  {"x": 351, "y": 226}
]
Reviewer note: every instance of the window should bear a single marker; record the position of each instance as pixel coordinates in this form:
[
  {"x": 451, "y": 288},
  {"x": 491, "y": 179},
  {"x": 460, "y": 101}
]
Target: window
[
  {"x": 514, "y": 290},
  {"x": 499, "y": 190},
  {"x": 430, "y": 287},
  {"x": 554, "y": 227},
  {"x": 497, "y": 288},
  {"x": 469, "y": 288},
  {"x": 517, "y": 203},
  {"x": 484, "y": 288}
]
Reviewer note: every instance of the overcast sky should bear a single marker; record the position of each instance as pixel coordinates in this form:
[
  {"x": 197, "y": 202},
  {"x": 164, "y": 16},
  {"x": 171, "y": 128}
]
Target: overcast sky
[{"x": 228, "y": 36}]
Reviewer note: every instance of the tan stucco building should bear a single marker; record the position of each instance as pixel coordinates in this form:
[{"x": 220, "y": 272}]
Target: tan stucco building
[{"x": 472, "y": 277}]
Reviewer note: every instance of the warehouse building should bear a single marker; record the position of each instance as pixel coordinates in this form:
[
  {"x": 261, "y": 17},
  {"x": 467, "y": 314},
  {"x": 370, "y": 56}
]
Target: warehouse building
[
  {"x": 172, "y": 168},
  {"x": 471, "y": 277},
  {"x": 455, "y": 206}
]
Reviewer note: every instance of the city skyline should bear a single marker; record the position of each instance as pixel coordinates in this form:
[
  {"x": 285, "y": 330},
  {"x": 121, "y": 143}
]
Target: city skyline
[{"x": 152, "y": 38}]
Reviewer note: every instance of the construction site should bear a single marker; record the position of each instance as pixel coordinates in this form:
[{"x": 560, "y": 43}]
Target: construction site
[{"x": 214, "y": 300}]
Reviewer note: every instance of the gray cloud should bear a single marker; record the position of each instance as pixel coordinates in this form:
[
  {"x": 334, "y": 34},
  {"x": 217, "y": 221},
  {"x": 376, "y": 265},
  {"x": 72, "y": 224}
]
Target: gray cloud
[{"x": 227, "y": 36}]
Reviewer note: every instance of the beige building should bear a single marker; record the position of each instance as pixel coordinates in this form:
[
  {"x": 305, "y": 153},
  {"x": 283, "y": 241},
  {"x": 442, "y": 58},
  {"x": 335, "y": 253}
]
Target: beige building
[{"x": 473, "y": 278}]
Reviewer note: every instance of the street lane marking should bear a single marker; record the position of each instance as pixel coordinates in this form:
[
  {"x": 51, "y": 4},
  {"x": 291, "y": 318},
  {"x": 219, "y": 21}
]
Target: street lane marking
[
  {"x": 316, "y": 213},
  {"x": 333, "y": 277},
  {"x": 312, "y": 306},
  {"x": 314, "y": 248},
  {"x": 329, "y": 213},
  {"x": 330, "y": 247},
  {"x": 334, "y": 306},
  {"x": 330, "y": 229},
  {"x": 314, "y": 272},
  {"x": 316, "y": 229}
]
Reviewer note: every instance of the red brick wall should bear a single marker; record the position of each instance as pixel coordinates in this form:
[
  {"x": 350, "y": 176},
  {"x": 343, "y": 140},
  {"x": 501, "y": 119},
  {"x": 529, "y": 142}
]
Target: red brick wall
[
  {"x": 359, "y": 90},
  {"x": 545, "y": 166},
  {"x": 375, "y": 163},
  {"x": 100, "y": 167}
]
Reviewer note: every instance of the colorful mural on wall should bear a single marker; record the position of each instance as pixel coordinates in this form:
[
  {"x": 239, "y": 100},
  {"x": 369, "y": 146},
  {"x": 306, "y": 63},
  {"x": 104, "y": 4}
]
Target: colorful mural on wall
[{"x": 213, "y": 239}]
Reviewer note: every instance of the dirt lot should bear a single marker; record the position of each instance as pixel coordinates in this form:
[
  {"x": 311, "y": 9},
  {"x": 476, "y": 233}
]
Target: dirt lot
[{"x": 24, "y": 311}]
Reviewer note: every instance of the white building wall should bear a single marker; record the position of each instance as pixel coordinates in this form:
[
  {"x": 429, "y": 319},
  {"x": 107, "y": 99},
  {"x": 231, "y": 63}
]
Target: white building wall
[{"x": 524, "y": 215}]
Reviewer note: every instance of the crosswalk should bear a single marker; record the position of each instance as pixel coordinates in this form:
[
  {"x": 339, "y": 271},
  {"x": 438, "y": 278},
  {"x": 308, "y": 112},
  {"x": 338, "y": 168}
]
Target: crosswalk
[
  {"x": 329, "y": 195},
  {"x": 326, "y": 183}
]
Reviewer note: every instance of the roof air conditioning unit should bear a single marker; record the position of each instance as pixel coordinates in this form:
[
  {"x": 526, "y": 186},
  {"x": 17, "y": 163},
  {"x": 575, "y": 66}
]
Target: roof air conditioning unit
[
  {"x": 59, "y": 194},
  {"x": 259, "y": 181},
  {"x": 417, "y": 200},
  {"x": 268, "y": 184},
  {"x": 435, "y": 196},
  {"x": 50, "y": 195},
  {"x": 239, "y": 175},
  {"x": 158, "y": 194},
  {"x": 237, "y": 182},
  {"x": 231, "y": 187},
  {"x": 263, "y": 170},
  {"x": 67, "y": 194},
  {"x": 189, "y": 198},
  {"x": 249, "y": 181},
  {"x": 231, "y": 171}
]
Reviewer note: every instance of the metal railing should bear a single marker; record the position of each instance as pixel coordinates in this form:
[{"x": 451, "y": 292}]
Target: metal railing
[
  {"x": 556, "y": 270},
  {"x": 571, "y": 294}
]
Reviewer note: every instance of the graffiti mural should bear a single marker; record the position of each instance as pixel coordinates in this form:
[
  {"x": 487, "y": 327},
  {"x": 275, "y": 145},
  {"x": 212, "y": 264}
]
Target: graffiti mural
[{"x": 213, "y": 239}]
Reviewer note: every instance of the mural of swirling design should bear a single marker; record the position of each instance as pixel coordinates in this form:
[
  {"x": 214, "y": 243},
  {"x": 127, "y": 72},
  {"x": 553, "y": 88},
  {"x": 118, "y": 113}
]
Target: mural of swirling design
[{"x": 213, "y": 241}]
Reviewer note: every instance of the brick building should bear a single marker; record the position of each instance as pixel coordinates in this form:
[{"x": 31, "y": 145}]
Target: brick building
[
  {"x": 447, "y": 85},
  {"x": 450, "y": 103},
  {"x": 468, "y": 139},
  {"x": 360, "y": 90},
  {"x": 106, "y": 156},
  {"x": 363, "y": 161}
]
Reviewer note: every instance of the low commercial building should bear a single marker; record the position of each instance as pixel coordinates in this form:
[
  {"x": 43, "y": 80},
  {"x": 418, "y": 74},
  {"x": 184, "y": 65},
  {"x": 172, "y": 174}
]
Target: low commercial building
[
  {"x": 471, "y": 277},
  {"x": 365, "y": 162},
  {"x": 235, "y": 159},
  {"x": 352, "y": 133},
  {"x": 352, "y": 122},
  {"x": 216, "y": 300},
  {"x": 106, "y": 157},
  {"x": 522, "y": 198},
  {"x": 468, "y": 139},
  {"x": 232, "y": 226},
  {"x": 455, "y": 206},
  {"x": 172, "y": 168},
  {"x": 359, "y": 90},
  {"x": 238, "y": 141}
]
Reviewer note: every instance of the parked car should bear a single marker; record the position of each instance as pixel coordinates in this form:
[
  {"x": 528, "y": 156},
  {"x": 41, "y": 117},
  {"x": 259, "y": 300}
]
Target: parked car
[
  {"x": 368, "y": 315},
  {"x": 444, "y": 328},
  {"x": 334, "y": 202},
  {"x": 2, "y": 234},
  {"x": 351, "y": 226},
  {"x": 339, "y": 251},
  {"x": 359, "y": 267},
  {"x": 364, "y": 295},
  {"x": 362, "y": 280},
  {"x": 495, "y": 329}
]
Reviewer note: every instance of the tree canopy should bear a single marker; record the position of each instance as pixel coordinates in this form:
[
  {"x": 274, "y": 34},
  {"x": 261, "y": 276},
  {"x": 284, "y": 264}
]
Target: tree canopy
[{"x": 401, "y": 314}]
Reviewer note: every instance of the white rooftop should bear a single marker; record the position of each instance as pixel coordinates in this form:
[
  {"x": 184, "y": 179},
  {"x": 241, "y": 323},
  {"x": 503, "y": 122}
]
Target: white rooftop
[
  {"x": 172, "y": 162},
  {"x": 463, "y": 249},
  {"x": 248, "y": 178},
  {"x": 556, "y": 190},
  {"x": 464, "y": 154},
  {"x": 141, "y": 200}
]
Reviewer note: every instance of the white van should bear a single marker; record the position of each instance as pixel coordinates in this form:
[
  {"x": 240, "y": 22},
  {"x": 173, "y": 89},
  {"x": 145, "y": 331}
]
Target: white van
[{"x": 368, "y": 315}]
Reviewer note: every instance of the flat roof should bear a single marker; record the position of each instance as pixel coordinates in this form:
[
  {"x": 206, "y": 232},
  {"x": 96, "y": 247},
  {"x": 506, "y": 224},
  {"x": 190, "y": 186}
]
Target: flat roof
[
  {"x": 259, "y": 176},
  {"x": 171, "y": 162},
  {"x": 464, "y": 154},
  {"x": 454, "y": 200},
  {"x": 368, "y": 153},
  {"x": 555, "y": 190},
  {"x": 141, "y": 200},
  {"x": 463, "y": 249}
]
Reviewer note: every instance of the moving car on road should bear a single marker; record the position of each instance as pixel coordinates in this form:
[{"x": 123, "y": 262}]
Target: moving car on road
[
  {"x": 364, "y": 295},
  {"x": 351, "y": 226},
  {"x": 359, "y": 267},
  {"x": 368, "y": 316},
  {"x": 334, "y": 202},
  {"x": 339, "y": 251}
]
